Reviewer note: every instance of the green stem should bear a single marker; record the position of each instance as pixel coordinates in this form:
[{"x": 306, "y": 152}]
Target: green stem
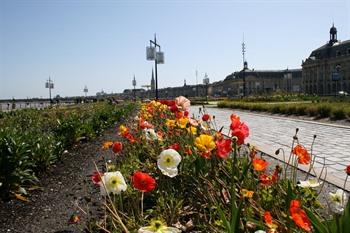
[{"x": 142, "y": 195}]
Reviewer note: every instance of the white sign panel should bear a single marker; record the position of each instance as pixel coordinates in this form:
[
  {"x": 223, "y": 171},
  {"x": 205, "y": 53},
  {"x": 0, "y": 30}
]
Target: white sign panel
[{"x": 150, "y": 53}]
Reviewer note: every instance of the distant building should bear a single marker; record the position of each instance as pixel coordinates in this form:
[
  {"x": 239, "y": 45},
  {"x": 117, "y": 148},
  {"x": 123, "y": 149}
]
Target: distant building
[
  {"x": 327, "y": 70},
  {"x": 258, "y": 82}
]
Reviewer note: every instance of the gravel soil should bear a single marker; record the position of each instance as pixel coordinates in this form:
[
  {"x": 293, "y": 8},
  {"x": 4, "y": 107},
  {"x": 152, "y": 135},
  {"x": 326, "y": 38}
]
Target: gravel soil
[{"x": 64, "y": 187}]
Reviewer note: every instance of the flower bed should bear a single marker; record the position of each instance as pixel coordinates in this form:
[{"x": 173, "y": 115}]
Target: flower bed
[
  {"x": 32, "y": 140},
  {"x": 174, "y": 173}
]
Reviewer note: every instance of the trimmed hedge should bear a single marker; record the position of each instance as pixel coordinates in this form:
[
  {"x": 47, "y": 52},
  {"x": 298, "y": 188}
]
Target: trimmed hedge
[{"x": 336, "y": 111}]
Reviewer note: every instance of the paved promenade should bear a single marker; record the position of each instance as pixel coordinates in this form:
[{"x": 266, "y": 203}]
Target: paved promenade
[{"x": 268, "y": 133}]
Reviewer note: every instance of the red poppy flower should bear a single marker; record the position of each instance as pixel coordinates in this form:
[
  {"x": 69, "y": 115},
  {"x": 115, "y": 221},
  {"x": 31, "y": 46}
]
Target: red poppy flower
[
  {"x": 299, "y": 216},
  {"x": 240, "y": 136},
  {"x": 241, "y": 132},
  {"x": 205, "y": 117},
  {"x": 347, "y": 170},
  {"x": 117, "y": 147},
  {"x": 130, "y": 137},
  {"x": 179, "y": 114},
  {"x": 175, "y": 146},
  {"x": 302, "y": 154},
  {"x": 267, "y": 218},
  {"x": 168, "y": 102},
  {"x": 266, "y": 179},
  {"x": 224, "y": 147},
  {"x": 235, "y": 121},
  {"x": 206, "y": 154},
  {"x": 188, "y": 150},
  {"x": 174, "y": 108},
  {"x": 143, "y": 181},
  {"x": 96, "y": 178},
  {"x": 275, "y": 174},
  {"x": 260, "y": 164}
]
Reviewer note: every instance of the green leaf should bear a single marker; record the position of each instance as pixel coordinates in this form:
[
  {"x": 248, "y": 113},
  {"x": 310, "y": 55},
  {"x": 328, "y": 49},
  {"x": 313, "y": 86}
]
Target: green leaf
[
  {"x": 224, "y": 219},
  {"x": 316, "y": 222},
  {"x": 345, "y": 219}
]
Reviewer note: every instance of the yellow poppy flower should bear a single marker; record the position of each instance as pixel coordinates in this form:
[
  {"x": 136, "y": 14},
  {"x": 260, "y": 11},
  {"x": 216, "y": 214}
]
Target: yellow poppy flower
[{"x": 205, "y": 143}]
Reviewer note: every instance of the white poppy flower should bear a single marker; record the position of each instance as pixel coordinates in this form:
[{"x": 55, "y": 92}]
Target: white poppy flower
[
  {"x": 158, "y": 226},
  {"x": 165, "y": 230},
  {"x": 168, "y": 160},
  {"x": 311, "y": 183},
  {"x": 150, "y": 134},
  {"x": 112, "y": 182},
  {"x": 338, "y": 200}
]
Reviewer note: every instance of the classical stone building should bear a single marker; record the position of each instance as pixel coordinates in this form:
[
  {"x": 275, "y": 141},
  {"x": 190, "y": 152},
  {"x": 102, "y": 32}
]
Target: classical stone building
[
  {"x": 327, "y": 70},
  {"x": 258, "y": 82}
]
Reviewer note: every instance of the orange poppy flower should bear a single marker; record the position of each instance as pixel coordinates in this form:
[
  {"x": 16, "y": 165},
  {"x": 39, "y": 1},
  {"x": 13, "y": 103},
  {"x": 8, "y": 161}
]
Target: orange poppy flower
[
  {"x": 302, "y": 154},
  {"x": 267, "y": 218},
  {"x": 260, "y": 164},
  {"x": 299, "y": 216},
  {"x": 107, "y": 145}
]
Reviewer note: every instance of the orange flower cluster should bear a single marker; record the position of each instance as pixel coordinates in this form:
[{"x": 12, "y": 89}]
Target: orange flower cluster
[
  {"x": 299, "y": 216},
  {"x": 302, "y": 154}
]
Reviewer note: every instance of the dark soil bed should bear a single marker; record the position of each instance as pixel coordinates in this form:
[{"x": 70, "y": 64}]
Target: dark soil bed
[{"x": 65, "y": 186}]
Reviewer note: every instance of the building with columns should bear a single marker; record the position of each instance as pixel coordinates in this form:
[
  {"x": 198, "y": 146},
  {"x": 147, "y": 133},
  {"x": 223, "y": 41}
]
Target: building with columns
[{"x": 327, "y": 70}]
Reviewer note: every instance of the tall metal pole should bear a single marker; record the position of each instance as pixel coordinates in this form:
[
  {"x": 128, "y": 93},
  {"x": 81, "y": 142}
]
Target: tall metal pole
[
  {"x": 196, "y": 83},
  {"x": 50, "y": 87},
  {"x": 155, "y": 64},
  {"x": 243, "y": 53}
]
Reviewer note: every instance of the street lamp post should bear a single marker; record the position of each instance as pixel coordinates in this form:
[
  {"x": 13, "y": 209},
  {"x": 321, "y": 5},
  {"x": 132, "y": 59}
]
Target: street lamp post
[
  {"x": 158, "y": 57},
  {"x": 49, "y": 85},
  {"x": 245, "y": 66},
  {"x": 206, "y": 83}
]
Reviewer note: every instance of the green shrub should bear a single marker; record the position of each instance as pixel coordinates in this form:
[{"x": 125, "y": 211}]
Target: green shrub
[
  {"x": 16, "y": 167},
  {"x": 276, "y": 109},
  {"x": 311, "y": 111},
  {"x": 323, "y": 110},
  {"x": 300, "y": 110},
  {"x": 338, "y": 114}
]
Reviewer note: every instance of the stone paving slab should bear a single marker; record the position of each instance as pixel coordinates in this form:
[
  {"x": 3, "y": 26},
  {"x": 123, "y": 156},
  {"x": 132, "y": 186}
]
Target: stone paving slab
[{"x": 269, "y": 133}]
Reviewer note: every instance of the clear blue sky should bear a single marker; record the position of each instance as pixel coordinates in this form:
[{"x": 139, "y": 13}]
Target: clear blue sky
[{"x": 101, "y": 44}]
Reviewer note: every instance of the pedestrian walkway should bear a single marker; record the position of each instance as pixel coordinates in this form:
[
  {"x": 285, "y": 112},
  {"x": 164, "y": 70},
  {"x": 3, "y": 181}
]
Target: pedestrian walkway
[{"x": 269, "y": 133}]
